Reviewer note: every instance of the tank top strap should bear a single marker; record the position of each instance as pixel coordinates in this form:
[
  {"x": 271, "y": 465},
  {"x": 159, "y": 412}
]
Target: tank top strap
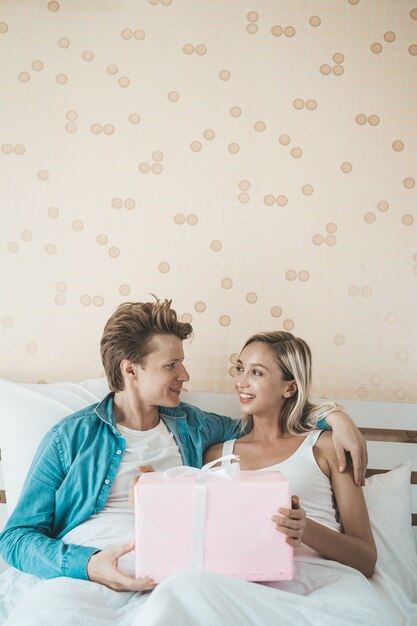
[
  {"x": 228, "y": 447},
  {"x": 312, "y": 437}
]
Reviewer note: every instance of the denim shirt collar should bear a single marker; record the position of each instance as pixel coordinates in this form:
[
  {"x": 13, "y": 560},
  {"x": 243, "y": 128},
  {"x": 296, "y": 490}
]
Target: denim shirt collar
[{"x": 104, "y": 410}]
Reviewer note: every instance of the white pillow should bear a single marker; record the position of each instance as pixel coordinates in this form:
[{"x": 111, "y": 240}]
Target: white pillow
[
  {"x": 388, "y": 501},
  {"x": 28, "y": 411}
]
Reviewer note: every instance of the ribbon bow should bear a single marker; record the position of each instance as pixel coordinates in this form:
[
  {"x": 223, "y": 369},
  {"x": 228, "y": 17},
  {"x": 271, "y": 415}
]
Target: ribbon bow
[
  {"x": 228, "y": 471},
  {"x": 231, "y": 470}
]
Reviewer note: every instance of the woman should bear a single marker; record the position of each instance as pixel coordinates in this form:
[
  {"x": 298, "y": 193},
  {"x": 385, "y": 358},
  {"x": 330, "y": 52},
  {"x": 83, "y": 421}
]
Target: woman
[{"x": 273, "y": 379}]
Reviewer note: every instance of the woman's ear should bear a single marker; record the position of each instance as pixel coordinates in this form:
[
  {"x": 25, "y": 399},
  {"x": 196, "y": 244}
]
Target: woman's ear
[{"x": 291, "y": 389}]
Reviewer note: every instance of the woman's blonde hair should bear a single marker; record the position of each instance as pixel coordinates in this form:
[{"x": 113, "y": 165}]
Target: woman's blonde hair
[{"x": 293, "y": 356}]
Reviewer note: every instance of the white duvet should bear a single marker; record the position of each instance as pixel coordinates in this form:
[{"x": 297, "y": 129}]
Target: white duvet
[{"x": 323, "y": 593}]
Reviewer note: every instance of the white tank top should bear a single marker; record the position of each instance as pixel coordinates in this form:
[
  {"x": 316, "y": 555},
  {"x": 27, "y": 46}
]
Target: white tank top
[{"x": 306, "y": 479}]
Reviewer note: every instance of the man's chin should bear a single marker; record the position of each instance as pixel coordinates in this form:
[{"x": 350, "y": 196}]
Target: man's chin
[{"x": 173, "y": 400}]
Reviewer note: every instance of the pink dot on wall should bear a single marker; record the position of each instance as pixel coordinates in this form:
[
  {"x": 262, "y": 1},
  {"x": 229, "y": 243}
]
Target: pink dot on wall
[
  {"x": 164, "y": 267},
  {"x": 53, "y": 212},
  {"x": 338, "y": 340},
  {"x": 196, "y": 146},
  {"x": 31, "y": 347},
  {"x": 227, "y": 283},
  {"x": 315, "y": 20},
  {"x": 117, "y": 203},
  {"x": 13, "y": 246},
  {"x": 225, "y": 320},
  {"x": 37, "y": 65},
  {"x": 216, "y": 245},
  {"x": 129, "y": 204},
  {"x": 85, "y": 300},
  {"x": 60, "y": 299},
  {"x": 26, "y": 235},
  {"x": 61, "y": 79},
  {"x": 64, "y": 43},
  {"x": 134, "y": 118},
  {"x": 124, "y": 290},
  {"x": 291, "y": 275},
  {"x": 87, "y": 55},
  {"x": 269, "y": 199},
  {"x": 114, "y": 252},
  {"x": 173, "y": 96},
  {"x": 276, "y": 311},
  {"x": 409, "y": 182},
  {"x": 224, "y": 75}
]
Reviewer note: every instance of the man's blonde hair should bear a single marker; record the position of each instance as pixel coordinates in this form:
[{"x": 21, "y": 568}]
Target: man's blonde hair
[{"x": 129, "y": 331}]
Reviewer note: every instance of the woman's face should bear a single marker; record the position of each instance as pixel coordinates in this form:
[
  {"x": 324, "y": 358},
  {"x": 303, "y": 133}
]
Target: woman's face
[
  {"x": 160, "y": 378},
  {"x": 259, "y": 382}
]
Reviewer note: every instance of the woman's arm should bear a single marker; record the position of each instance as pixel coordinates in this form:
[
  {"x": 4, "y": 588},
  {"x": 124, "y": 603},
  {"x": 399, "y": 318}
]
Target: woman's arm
[{"x": 355, "y": 546}]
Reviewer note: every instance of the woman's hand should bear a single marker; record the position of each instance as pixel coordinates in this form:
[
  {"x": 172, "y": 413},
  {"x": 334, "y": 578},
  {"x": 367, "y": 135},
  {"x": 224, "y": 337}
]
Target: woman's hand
[
  {"x": 292, "y": 522},
  {"x": 142, "y": 469},
  {"x": 103, "y": 568},
  {"x": 347, "y": 438}
]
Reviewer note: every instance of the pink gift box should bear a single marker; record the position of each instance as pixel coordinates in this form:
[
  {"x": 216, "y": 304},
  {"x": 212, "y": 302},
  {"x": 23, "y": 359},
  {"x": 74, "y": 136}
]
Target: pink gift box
[{"x": 209, "y": 522}]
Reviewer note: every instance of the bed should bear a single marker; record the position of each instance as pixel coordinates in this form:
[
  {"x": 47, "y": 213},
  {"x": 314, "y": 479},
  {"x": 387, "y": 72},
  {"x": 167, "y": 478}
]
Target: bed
[{"x": 29, "y": 410}]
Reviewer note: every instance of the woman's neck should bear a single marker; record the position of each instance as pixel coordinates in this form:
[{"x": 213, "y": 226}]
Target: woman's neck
[
  {"x": 132, "y": 413},
  {"x": 266, "y": 428}
]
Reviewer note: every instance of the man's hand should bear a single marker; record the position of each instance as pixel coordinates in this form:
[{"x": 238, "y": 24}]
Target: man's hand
[
  {"x": 103, "y": 568},
  {"x": 142, "y": 469},
  {"x": 347, "y": 438},
  {"x": 292, "y": 522}
]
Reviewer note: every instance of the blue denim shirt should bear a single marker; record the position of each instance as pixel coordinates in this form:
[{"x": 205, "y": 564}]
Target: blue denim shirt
[{"x": 71, "y": 476}]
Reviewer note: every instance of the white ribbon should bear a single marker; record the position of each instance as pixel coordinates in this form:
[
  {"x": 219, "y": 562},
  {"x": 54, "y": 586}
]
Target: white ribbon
[{"x": 231, "y": 470}]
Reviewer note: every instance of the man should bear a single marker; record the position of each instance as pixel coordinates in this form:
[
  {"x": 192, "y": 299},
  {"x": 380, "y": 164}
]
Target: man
[{"x": 78, "y": 482}]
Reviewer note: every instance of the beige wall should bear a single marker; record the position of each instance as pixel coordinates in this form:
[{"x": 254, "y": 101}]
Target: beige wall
[{"x": 253, "y": 161}]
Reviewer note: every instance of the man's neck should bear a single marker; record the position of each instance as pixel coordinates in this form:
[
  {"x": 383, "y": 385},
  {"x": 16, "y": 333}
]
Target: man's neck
[{"x": 132, "y": 413}]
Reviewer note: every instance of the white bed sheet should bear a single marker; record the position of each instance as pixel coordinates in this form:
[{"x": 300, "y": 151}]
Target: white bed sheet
[{"x": 324, "y": 593}]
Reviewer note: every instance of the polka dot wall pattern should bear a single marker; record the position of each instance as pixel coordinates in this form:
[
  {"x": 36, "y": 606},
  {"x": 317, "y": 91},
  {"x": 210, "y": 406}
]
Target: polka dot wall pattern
[{"x": 236, "y": 176}]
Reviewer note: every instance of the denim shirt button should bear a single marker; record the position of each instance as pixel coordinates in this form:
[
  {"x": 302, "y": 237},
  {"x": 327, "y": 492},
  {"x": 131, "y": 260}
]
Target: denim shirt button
[
  {"x": 107, "y": 482},
  {"x": 119, "y": 452}
]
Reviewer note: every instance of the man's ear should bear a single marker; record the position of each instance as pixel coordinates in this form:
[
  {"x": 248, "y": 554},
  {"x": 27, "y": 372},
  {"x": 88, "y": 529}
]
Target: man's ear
[
  {"x": 128, "y": 369},
  {"x": 291, "y": 389}
]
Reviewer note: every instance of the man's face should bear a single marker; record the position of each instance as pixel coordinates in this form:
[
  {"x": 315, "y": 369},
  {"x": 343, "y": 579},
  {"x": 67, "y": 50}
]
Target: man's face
[{"x": 161, "y": 376}]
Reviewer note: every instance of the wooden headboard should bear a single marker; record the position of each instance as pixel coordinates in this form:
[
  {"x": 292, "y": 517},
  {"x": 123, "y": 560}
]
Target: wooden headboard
[{"x": 382, "y": 454}]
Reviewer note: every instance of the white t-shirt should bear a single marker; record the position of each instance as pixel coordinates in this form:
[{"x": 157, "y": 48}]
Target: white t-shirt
[{"x": 114, "y": 524}]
